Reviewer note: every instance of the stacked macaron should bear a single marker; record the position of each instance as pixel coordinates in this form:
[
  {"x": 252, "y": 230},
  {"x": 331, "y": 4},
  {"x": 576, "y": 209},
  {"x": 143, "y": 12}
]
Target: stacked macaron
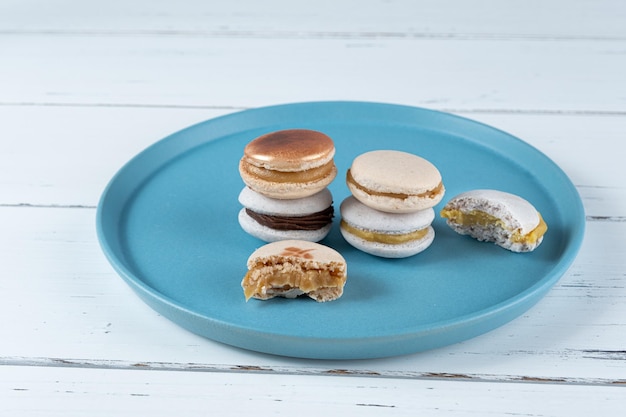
[
  {"x": 286, "y": 196},
  {"x": 390, "y": 211}
]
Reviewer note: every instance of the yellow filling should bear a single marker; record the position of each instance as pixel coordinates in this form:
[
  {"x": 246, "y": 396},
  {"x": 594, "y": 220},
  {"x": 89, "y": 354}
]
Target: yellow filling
[
  {"x": 481, "y": 218},
  {"x": 428, "y": 194},
  {"x": 390, "y": 239},
  {"x": 313, "y": 174},
  {"x": 261, "y": 279}
]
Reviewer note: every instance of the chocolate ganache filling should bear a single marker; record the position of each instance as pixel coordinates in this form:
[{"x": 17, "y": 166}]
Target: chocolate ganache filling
[{"x": 313, "y": 221}]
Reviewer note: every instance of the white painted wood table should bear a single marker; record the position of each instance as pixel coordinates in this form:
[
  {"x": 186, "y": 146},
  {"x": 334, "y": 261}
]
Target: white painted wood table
[{"x": 84, "y": 87}]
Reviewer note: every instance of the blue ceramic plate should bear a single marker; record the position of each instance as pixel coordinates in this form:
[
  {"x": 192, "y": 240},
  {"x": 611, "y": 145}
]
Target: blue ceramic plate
[{"x": 168, "y": 224}]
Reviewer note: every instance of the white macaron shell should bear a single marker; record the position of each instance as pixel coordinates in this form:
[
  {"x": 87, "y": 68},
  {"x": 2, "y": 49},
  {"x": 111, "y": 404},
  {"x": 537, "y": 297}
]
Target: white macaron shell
[
  {"x": 512, "y": 209},
  {"x": 385, "y": 250},
  {"x": 363, "y": 217},
  {"x": 267, "y": 234},
  {"x": 298, "y": 207}
]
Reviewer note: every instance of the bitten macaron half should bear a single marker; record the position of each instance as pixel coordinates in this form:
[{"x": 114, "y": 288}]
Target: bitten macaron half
[
  {"x": 288, "y": 164},
  {"x": 503, "y": 218},
  {"x": 291, "y": 268},
  {"x": 395, "y": 181},
  {"x": 387, "y": 235}
]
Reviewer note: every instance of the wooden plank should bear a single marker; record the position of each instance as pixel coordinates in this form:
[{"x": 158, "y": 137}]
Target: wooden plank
[
  {"x": 519, "y": 75},
  {"x": 65, "y": 156},
  {"x": 325, "y": 18},
  {"x": 34, "y": 391}
]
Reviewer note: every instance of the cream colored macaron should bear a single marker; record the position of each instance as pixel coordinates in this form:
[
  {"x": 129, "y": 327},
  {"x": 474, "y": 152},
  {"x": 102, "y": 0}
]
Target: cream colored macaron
[
  {"x": 288, "y": 164},
  {"x": 505, "y": 219},
  {"x": 395, "y": 181},
  {"x": 290, "y": 268}
]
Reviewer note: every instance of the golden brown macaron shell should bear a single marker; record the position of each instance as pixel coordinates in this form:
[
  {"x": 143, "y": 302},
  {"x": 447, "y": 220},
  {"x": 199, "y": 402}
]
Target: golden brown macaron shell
[{"x": 288, "y": 164}]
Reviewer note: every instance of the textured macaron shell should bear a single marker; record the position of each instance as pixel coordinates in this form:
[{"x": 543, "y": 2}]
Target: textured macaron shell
[
  {"x": 495, "y": 216},
  {"x": 288, "y": 190},
  {"x": 290, "y": 150},
  {"x": 395, "y": 181},
  {"x": 514, "y": 211},
  {"x": 274, "y": 207},
  {"x": 395, "y": 172},
  {"x": 267, "y": 234},
  {"x": 289, "y": 164},
  {"x": 293, "y": 207},
  {"x": 307, "y": 251},
  {"x": 363, "y": 217}
]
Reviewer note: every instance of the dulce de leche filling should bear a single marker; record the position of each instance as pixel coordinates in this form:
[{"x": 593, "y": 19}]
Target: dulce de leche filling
[
  {"x": 480, "y": 218},
  {"x": 309, "y": 175},
  {"x": 263, "y": 278},
  {"x": 390, "y": 239},
  {"x": 314, "y": 221},
  {"x": 428, "y": 194}
]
